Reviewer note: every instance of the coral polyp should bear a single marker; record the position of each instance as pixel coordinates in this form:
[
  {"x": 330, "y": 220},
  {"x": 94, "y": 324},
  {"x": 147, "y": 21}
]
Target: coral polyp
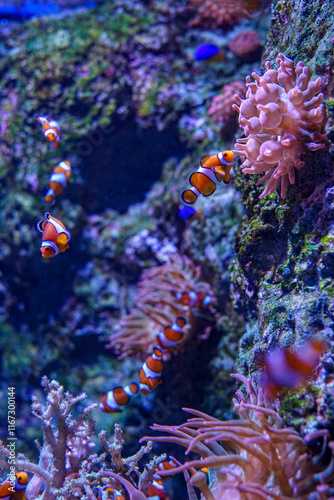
[
  {"x": 251, "y": 458},
  {"x": 283, "y": 119}
]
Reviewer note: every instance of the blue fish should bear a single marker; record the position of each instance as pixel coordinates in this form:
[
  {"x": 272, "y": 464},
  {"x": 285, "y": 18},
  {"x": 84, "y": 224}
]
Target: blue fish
[
  {"x": 208, "y": 53},
  {"x": 189, "y": 213}
]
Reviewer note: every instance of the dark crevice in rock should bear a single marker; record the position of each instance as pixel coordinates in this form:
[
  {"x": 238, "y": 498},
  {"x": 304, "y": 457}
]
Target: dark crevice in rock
[{"x": 116, "y": 175}]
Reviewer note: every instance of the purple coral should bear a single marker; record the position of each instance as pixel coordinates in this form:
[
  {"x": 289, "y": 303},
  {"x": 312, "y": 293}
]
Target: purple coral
[
  {"x": 282, "y": 118},
  {"x": 67, "y": 469}
]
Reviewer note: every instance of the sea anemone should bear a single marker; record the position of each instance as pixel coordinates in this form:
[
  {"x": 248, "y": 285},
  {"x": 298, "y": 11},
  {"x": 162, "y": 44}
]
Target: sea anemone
[
  {"x": 251, "y": 458},
  {"x": 282, "y": 118},
  {"x": 156, "y": 306}
]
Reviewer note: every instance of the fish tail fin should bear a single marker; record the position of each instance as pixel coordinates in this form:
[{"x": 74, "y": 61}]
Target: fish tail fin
[{"x": 218, "y": 57}]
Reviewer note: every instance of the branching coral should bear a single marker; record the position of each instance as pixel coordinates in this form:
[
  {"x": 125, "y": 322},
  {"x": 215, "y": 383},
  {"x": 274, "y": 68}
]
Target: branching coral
[
  {"x": 67, "y": 469},
  {"x": 282, "y": 118},
  {"x": 212, "y": 14},
  {"x": 156, "y": 305},
  {"x": 220, "y": 109},
  {"x": 251, "y": 458}
]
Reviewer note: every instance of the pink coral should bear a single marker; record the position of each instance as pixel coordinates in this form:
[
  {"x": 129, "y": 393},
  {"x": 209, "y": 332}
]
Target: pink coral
[
  {"x": 212, "y": 14},
  {"x": 255, "y": 457},
  {"x": 282, "y": 118},
  {"x": 245, "y": 44},
  {"x": 221, "y": 109}
]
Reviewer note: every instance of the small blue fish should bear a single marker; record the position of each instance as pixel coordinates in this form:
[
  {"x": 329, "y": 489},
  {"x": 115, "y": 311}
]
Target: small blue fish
[
  {"x": 189, "y": 213},
  {"x": 208, "y": 53}
]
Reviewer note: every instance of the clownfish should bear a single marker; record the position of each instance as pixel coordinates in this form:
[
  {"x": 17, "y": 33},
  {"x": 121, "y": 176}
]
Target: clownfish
[
  {"x": 170, "y": 464},
  {"x": 193, "y": 299},
  {"x": 212, "y": 169},
  {"x": 189, "y": 213},
  {"x": 150, "y": 372},
  {"x": 156, "y": 490},
  {"x": 167, "y": 465},
  {"x": 51, "y": 129},
  {"x": 112, "y": 493},
  {"x": 208, "y": 52},
  {"x": 172, "y": 334},
  {"x": 6, "y": 488},
  {"x": 55, "y": 236},
  {"x": 285, "y": 368},
  {"x": 58, "y": 180},
  {"x": 112, "y": 401}
]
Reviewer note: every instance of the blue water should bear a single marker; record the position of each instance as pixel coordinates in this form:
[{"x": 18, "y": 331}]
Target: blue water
[{"x": 33, "y": 9}]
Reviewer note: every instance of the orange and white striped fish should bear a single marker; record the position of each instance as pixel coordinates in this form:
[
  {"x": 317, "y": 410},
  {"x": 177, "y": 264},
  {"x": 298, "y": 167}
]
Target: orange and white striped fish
[
  {"x": 150, "y": 372},
  {"x": 172, "y": 334},
  {"x": 58, "y": 180},
  {"x": 286, "y": 369},
  {"x": 55, "y": 236},
  {"x": 193, "y": 299},
  {"x": 167, "y": 465},
  {"x": 156, "y": 490},
  {"x": 114, "y": 400},
  {"x": 212, "y": 169},
  {"x": 51, "y": 129},
  {"x": 112, "y": 494},
  {"x": 11, "y": 492}
]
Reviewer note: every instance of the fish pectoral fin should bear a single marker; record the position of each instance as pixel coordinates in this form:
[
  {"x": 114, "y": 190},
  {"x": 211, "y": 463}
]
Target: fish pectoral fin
[
  {"x": 219, "y": 169},
  {"x": 150, "y": 383},
  {"x": 62, "y": 239}
]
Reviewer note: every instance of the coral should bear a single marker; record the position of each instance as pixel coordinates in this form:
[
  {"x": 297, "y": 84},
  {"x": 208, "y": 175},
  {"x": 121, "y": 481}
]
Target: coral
[
  {"x": 282, "y": 118},
  {"x": 254, "y": 457},
  {"x": 245, "y": 44},
  {"x": 212, "y": 14},
  {"x": 157, "y": 307},
  {"x": 221, "y": 109},
  {"x": 67, "y": 469}
]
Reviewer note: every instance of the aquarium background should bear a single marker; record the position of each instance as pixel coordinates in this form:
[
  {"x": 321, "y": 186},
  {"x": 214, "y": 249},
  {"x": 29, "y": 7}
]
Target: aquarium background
[{"x": 137, "y": 112}]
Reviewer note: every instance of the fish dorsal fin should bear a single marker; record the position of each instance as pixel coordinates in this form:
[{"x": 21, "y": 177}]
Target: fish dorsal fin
[
  {"x": 203, "y": 160},
  {"x": 41, "y": 225}
]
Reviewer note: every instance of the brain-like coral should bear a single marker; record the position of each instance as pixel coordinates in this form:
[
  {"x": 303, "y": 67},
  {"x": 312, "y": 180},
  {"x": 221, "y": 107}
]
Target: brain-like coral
[
  {"x": 255, "y": 457},
  {"x": 156, "y": 305},
  {"x": 283, "y": 119},
  {"x": 212, "y": 14},
  {"x": 220, "y": 109}
]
